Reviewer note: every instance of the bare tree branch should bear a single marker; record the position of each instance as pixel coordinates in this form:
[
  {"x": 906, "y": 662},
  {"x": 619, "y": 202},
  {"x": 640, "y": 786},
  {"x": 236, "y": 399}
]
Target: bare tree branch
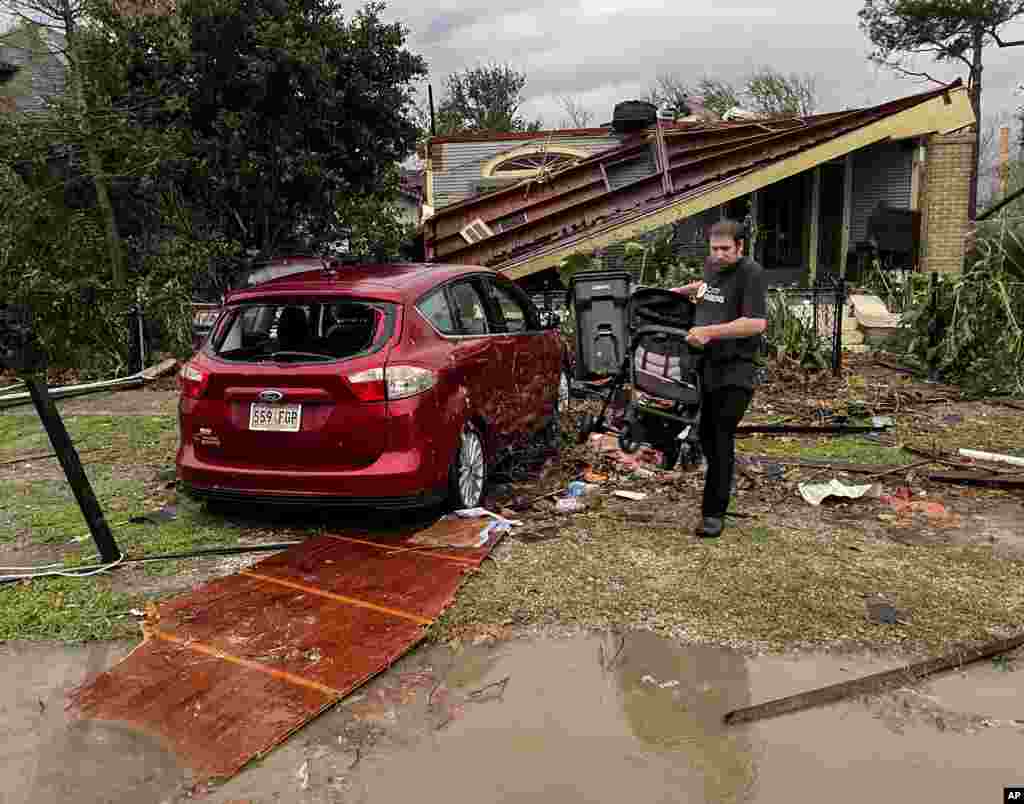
[{"x": 1001, "y": 43}]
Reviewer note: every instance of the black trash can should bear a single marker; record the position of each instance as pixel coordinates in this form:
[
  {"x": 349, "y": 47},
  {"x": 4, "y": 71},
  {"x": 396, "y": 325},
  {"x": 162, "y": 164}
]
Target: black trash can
[{"x": 600, "y": 300}]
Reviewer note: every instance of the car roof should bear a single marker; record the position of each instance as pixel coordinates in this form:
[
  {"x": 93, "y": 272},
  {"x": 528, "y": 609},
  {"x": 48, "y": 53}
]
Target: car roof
[{"x": 389, "y": 282}]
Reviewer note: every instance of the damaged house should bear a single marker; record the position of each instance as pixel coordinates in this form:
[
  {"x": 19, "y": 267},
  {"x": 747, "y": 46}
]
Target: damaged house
[{"x": 816, "y": 190}]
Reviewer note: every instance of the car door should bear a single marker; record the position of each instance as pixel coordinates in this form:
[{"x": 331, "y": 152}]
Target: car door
[
  {"x": 479, "y": 362},
  {"x": 534, "y": 367}
]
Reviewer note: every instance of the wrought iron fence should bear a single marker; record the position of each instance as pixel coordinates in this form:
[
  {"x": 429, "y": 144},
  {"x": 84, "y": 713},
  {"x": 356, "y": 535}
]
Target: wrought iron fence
[{"x": 819, "y": 309}]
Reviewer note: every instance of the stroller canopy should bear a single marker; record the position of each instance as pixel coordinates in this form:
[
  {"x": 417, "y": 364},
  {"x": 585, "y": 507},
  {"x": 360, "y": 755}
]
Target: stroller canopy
[{"x": 654, "y": 307}]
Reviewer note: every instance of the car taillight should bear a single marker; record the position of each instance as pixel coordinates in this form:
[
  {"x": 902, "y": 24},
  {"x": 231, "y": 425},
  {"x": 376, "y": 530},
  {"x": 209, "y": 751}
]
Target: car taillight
[
  {"x": 406, "y": 381},
  {"x": 369, "y": 385},
  {"x": 395, "y": 382},
  {"x": 192, "y": 381}
]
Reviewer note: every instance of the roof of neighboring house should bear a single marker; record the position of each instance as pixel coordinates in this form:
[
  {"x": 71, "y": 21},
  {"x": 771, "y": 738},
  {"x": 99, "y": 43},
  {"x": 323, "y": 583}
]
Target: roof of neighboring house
[
  {"x": 410, "y": 183},
  {"x": 44, "y": 68},
  {"x": 708, "y": 164}
]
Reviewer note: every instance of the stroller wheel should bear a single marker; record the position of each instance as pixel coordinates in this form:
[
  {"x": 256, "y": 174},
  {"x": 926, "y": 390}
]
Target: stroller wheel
[
  {"x": 627, "y": 442},
  {"x": 587, "y": 426},
  {"x": 669, "y": 456}
]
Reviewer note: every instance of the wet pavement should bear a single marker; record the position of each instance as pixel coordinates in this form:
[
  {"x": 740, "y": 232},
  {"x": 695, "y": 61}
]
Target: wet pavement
[{"x": 594, "y": 718}]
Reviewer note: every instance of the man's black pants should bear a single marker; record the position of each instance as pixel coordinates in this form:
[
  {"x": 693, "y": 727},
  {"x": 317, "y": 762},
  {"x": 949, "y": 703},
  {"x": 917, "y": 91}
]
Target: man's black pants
[{"x": 720, "y": 413}]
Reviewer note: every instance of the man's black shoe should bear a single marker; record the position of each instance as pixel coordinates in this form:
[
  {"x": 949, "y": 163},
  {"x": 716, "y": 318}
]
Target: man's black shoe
[{"x": 710, "y": 528}]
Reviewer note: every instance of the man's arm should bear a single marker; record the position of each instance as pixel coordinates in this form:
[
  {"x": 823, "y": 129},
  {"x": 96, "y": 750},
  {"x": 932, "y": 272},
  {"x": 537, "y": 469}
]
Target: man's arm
[
  {"x": 740, "y": 328},
  {"x": 689, "y": 290}
]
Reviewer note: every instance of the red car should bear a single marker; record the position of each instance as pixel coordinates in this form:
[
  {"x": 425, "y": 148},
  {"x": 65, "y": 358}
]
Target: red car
[{"x": 384, "y": 385}]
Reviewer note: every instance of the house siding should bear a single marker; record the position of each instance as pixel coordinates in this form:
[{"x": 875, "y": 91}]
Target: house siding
[
  {"x": 622, "y": 173},
  {"x": 456, "y": 166},
  {"x": 881, "y": 174}
]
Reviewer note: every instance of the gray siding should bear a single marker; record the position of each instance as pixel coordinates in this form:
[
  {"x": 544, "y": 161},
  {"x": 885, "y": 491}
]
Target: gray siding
[
  {"x": 623, "y": 173},
  {"x": 459, "y": 175},
  {"x": 881, "y": 173}
]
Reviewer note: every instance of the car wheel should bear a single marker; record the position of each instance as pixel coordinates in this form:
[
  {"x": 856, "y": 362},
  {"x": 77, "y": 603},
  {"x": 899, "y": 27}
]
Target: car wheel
[
  {"x": 553, "y": 432},
  {"x": 563, "y": 392},
  {"x": 468, "y": 473}
]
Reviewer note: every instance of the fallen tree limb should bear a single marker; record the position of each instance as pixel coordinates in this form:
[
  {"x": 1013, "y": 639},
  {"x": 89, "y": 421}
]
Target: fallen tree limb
[
  {"x": 992, "y": 457},
  {"x": 878, "y": 682},
  {"x": 839, "y": 466},
  {"x": 978, "y": 479},
  {"x": 828, "y": 429},
  {"x": 963, "y": 465}
]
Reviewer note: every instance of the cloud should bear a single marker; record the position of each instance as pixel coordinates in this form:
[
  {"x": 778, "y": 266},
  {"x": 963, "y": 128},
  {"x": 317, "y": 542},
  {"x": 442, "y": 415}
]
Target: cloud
[{"x": 603, "y": 51}]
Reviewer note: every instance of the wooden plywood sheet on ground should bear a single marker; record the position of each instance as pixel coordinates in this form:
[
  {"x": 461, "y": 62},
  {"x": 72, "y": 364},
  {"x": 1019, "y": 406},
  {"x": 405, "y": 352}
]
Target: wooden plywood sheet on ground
[{"x": 231, "y": 668}]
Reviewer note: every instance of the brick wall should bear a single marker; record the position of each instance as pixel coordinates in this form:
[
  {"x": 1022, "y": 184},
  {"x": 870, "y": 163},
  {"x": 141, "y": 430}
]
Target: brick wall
[{"x": 945, "y": 193}]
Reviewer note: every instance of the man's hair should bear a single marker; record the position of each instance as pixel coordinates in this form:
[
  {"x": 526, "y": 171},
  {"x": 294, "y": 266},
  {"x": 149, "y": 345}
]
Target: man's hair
[{"x": 734, "y": 230}]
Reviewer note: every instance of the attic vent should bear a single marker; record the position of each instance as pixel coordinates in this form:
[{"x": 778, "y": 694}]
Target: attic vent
[{"x": 476, "y": 231}]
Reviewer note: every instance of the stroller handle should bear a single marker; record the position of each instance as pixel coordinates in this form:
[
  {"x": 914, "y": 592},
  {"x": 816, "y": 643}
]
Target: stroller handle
[{"x": 681, "y": 333}]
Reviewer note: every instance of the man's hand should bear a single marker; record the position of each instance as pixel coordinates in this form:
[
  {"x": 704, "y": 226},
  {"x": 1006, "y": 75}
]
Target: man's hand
[
  {"x": 699, "y": 337},
  {"x": 689, "y": 290}
]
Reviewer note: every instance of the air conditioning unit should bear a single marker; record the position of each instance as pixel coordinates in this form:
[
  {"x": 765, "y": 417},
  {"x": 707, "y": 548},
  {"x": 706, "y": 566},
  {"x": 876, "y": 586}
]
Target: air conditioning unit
[{"x": 476, "y": 231}]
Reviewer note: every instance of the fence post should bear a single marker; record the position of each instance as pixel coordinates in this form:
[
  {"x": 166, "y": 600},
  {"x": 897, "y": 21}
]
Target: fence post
[{"x": 837, "y": 327}]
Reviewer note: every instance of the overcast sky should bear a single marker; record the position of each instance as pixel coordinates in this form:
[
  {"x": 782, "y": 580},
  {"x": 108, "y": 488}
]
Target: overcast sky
[{"x": 603, "y": 51}]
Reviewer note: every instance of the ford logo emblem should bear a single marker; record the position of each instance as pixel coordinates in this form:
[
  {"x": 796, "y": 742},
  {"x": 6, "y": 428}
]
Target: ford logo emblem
[{"x": 271, "y": 395}]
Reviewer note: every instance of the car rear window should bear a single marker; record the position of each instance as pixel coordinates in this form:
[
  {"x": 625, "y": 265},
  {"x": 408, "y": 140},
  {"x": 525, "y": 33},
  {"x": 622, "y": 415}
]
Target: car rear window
[{"x": 303, "y": 330}]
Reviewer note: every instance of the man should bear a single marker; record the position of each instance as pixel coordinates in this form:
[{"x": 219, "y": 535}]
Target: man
[{"x": 731, "y": 314}]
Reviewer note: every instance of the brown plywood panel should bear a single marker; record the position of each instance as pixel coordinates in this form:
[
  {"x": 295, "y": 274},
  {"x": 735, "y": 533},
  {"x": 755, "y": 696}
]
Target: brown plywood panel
[
  {"x": 307, "y": 635},
  {"x": 214, "y": 714},
  {"x": 234, "y": 666},
  {"x": 409, "y": 581}
]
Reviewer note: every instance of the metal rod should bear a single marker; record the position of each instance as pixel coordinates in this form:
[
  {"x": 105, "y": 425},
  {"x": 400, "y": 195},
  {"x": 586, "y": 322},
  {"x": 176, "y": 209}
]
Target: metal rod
[
  {"x": 14, "y": 400},
  {"x": 874, "y": 683},
  {"x": 72, "y": 466}
]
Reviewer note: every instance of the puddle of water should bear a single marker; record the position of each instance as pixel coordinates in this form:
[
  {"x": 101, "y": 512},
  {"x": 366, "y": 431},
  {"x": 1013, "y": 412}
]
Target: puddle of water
[
  {"x": 45, "y": 757},
  {"x": 582, "y": 721},
  {"x": 587, "y": 719}
]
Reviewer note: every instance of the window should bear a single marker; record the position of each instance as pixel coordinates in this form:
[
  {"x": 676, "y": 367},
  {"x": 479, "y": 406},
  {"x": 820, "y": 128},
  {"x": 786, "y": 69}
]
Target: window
[
  {"x": 535, "y": 161},
  {"x": 529, "y": 160},
  {"x": 476, "y": 231},
  {"x": 436, "y": 310},
  {"x": 317, "y": 331},
  {"x": 469, "y": 308},
  {"x": 514, "y": 314}
]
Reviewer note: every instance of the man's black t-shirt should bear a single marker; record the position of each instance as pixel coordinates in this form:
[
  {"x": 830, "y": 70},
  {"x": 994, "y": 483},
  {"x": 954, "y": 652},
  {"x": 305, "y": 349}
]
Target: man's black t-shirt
[{"x": 731, "y": 292}]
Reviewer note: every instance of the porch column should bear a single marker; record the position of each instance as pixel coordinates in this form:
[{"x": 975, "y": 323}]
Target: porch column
[
  {"x": 847, "y": 212},
  {"x": 812, "y": 247}
]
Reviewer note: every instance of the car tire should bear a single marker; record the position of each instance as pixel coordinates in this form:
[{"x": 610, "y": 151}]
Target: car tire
[
  {"x": 553, "y": 431},
  {"x": 467, "y": 477}
]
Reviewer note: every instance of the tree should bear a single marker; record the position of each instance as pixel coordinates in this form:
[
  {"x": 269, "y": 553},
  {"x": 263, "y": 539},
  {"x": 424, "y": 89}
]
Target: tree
[
  {"x": 947, "y": 31},
  {"x": 576, "y": 115},
  {"x": 287, "y": 107},
  {"x": 485, "y": 98},
  {"x": 61, "y": 20},
  {"x": 767, "y": 91},
  {"x": 775, "y": 94}
]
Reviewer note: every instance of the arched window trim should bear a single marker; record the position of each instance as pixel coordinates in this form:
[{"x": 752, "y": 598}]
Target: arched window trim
[{"x": 491, "y": 169}]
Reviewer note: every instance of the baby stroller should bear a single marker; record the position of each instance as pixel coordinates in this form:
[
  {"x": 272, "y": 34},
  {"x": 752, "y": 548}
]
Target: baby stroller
[{"x": 659, "y": 382}]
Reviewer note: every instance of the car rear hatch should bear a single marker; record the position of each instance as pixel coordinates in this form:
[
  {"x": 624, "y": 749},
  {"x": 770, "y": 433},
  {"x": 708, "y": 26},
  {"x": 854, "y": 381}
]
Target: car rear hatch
[{"x": 292, "y": 384}]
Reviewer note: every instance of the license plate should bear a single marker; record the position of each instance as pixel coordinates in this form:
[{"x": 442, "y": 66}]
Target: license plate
[{"x": 275, "y": 418}]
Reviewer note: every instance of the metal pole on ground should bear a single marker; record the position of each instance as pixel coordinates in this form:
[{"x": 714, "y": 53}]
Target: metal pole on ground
[{"x": 72, "y": 465}]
